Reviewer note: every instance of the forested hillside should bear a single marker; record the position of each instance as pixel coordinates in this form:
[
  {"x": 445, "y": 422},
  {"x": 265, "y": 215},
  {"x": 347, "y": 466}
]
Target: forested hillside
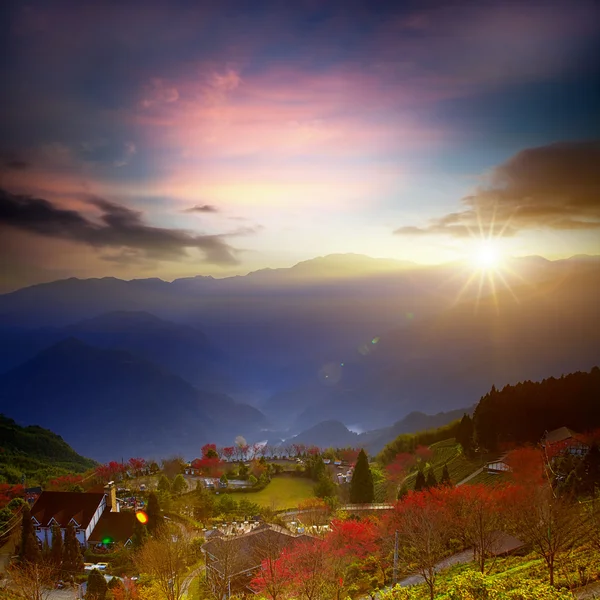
[
  {"x": 522, "y": 413},
  {"x": 36, "y": 453}
]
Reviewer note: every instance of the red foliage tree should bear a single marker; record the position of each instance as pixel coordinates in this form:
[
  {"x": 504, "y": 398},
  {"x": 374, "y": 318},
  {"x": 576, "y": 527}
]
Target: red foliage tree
[
  {"x": 527, "y": 466},
  {"x": 9, "y": 491},
  {"x": 136, "y": 466},
  {"x": 228, "y": 452},
  {"x": 209, "y": 451}
]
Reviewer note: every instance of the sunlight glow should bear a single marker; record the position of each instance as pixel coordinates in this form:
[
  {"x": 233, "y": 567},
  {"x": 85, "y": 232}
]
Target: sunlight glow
[
  {"x": 488, "y": 255},
  {"x": 141, "y": 516}
]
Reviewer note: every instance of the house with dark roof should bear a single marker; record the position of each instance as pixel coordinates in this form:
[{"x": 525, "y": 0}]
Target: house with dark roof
[
  {"x": 564, "y": 441},
  {"x": 232, "y": 561},
  {"x": 113, "y": 527},
  {"x": 81, "y": 509}
]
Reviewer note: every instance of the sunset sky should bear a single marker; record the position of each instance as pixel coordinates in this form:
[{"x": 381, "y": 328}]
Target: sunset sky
[{"x": 182, "y": 138}]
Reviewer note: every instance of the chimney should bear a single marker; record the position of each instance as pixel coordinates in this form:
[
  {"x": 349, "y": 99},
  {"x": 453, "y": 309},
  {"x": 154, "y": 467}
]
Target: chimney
[{"x": 110, "y": 491}]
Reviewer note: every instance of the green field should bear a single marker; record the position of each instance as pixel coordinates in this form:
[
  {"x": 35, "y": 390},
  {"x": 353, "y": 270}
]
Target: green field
[{"x": 283, "y": 492}]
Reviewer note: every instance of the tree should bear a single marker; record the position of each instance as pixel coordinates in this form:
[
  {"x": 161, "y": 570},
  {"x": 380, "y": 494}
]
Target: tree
[
  {"x": 361, "y": 485},
  {"x": 72, "y": 559},
  {"x": 464, "y": 434},
  {"x": 551, "y": 525},
  {"x": 96, "y": 586},
  {"x": 589, "y": 471},
  {"x": 179, "y": 485},
  {"x": 155, "y": 517},
  {"x": 445, "y": 480},
  {"x": 325, "y": 487},
  {"x": 29, "y": 548},
  {"x": 33, "y": 581},
  {"x": 423, "y": 526},
  {"x": 420, "y": 481},
  {"x": 164, "y": 485},
  {"x": 431, "y": 481},
  {"x": 164, "y": 558},
  {"x": 56, "y": 552},
  {"x": 140, "y": 533}
]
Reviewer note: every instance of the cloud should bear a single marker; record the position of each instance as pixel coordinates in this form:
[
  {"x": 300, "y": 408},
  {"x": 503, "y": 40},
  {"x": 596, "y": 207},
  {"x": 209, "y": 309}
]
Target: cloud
[
  {"x": 118, "y": 228},
  {"x": 16, "y": 164},
  {"x": 129, "y": 149},
  {"x": 202, "y": 208},
  {"x": 549, "y": 187}
]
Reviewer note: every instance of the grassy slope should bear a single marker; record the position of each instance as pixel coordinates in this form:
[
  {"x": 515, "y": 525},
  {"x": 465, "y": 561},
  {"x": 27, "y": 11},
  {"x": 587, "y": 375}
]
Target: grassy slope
[{"x": 448, "y": 452}]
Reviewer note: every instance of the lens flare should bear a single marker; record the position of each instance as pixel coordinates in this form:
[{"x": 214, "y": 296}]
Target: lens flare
[{"x": 141, "y": 516}]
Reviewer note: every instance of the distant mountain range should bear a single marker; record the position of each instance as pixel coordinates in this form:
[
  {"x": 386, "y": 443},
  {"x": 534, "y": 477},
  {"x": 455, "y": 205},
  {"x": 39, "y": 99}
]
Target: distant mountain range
[
  {"x": 346, "y": 338},
  {"x": 110, "y": 403}
]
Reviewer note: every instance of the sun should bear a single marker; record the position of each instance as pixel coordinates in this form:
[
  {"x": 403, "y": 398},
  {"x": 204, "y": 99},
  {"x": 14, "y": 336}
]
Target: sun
[{"x": 487, "y": 254}]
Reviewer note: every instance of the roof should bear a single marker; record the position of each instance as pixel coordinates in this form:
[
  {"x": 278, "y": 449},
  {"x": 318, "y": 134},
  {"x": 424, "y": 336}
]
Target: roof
[
  {"x": 116, "y": 526},
  {"x": 64, "y": 506},
  {"x": 247, "y": 551},
  {"x": 559, "y": 435},
  {"x": 503, "y": 543}
]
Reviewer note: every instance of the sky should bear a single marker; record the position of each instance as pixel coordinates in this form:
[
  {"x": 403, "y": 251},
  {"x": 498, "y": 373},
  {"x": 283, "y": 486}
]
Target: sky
[{"x": 168, "y": 139}]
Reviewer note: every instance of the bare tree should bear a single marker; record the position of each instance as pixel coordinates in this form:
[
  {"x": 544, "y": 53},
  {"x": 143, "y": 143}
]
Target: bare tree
[
  {"x": 423, "y": 528},
  {"x": 33, "y": 581},
  {"x": 165, "y": 558},
  {"x": 223, "y": 562},
  {"x": 550, "y": 524}
]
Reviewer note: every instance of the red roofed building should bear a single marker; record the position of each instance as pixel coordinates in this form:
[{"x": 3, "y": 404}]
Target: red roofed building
[
  {"x": 563, "y": 441},
  {"x": 82, "y": 509}
]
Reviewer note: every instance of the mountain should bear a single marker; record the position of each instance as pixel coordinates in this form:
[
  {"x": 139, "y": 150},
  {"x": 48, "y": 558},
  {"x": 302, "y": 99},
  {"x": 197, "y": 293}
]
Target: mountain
[
  {"x": 335, "y": 434},
  {"x": 109, "y": 403},
  {"x": 348, "y": 338},
  {"x": 35, "y": 453},
  {"x": 181, "y": 349}
]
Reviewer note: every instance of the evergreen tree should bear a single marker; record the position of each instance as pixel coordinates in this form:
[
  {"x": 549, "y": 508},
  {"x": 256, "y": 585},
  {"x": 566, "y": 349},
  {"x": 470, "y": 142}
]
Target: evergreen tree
[
  {"x": 362, "y": 490},
  {"x": 72, "y": 560},
  {"x": 316, "y": 467},
  {"x": 403, "y": 491},
  {"x": 431, "y": 481},
  {"x": 140, "y": 533},
  {"x": 179, "y": 485},
  {"x": 96, "y": 586},
  {"x": 464, "y": 435},
  {"x": 420, "y": 482},
  {"x": 325, "y": 487},
  {"x": 29, "y": 549},
  {"x": 155, "y": 518},
  {"x": 589, "y": 470},
  {"x": 445, "y": 480},
  {"x": 164, "y": 485},
  {"x": 56, "y": 552}
]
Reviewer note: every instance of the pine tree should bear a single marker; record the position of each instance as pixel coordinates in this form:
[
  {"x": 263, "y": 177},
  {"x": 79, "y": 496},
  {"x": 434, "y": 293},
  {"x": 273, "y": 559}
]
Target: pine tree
[
  {"x": 403, "y": 491},
  {"x": 140, "y": 533},
  {"x": 589, "y": 470},
  {"x": 420, "y": 482},
  {"x": 445, "y": 480},
  {"x": 164, "y": 485},
  {"x": 29, "y": 549},
  {"x": 431, "y": 481},
  {"x": 155, "y": 518},
  {"x": 464, "y": 435},
  {"x": 362, "y": 490},
  {"x": 56, "y": 552},
  {"x": 179, "y": 485},
  {"x": 72, "y": 559},
  {"x": 96, "y": 586}
]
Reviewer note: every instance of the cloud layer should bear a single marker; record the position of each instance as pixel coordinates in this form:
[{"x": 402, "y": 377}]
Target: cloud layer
[
  {"x": 117, "y": 228},
  {"x": 550, "y": 187}
]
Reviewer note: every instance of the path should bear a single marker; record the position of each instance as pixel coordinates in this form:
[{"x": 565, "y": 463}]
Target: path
[
  {"x": 466, "y": 556},
  {"x": 478, "y": 471},
  {"x": 589, "y": 591},
  {"x": 187, "y": 582}
]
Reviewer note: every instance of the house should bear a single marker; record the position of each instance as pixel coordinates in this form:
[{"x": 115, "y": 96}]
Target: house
[
  {"x": 233, "y": 561},
  {"x": 498, "y": 466},
  {"x": 81, "y": 509},
  {"x": 563, "y": 441},
  {"x": 113, "y": 527}
]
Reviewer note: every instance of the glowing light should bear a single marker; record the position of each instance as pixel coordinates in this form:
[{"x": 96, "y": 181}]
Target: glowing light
[
  {"x": 141, "y": 516},
  {"x": 487, "y": 255},
  {"x": 106, "y": 541}
]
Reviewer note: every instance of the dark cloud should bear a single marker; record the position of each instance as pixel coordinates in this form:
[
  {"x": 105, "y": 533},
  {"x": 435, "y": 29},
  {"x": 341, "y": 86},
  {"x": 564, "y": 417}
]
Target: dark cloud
[
  {"x": 17, "y": 165},
  {"x": 549, "y": 187},
  {"x": 202, "y": 208},
  {"x": 119, "y": 228}
]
